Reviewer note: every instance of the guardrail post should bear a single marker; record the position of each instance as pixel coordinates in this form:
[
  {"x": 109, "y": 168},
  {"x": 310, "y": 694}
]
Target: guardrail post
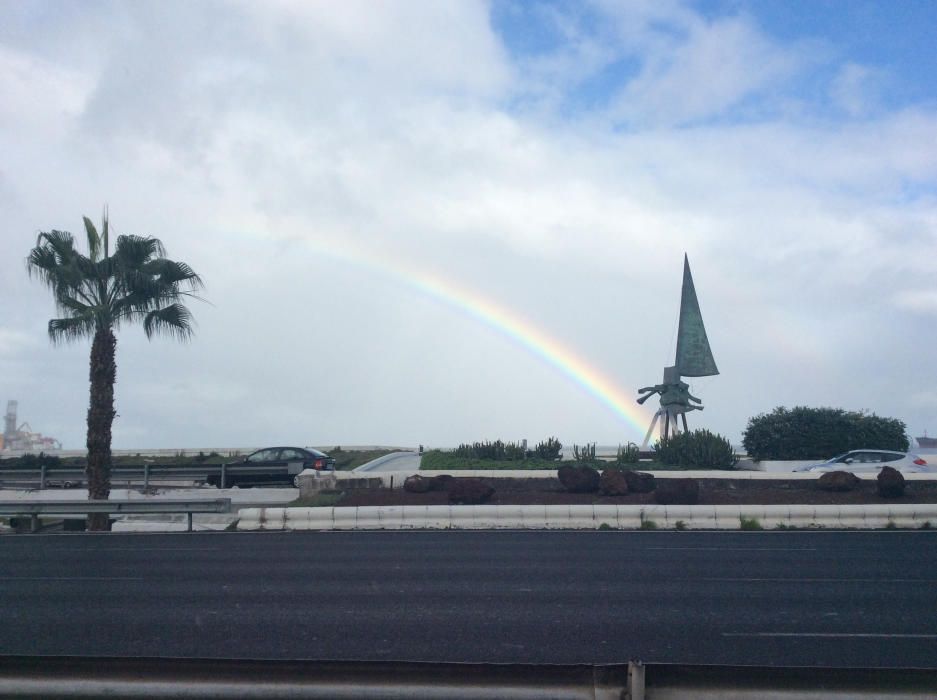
[
  {"x": 34, "y": 523},
  {"x": 42, "y": 476},
  {"x": 189, "y": 515},
  {"x": 146, "y": 476},
  {"x": 635, "y": 680}
]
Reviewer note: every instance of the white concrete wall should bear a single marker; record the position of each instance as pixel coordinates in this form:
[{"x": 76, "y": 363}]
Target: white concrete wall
[{"x": 588, "y": 517}]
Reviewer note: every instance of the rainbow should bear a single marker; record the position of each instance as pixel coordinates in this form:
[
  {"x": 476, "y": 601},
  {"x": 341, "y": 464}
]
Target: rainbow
[{"x": 506, "y": 322}]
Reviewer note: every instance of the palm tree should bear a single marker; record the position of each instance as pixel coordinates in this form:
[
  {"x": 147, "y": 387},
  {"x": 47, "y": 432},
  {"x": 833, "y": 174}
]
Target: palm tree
[{"x": 95, "y": 294}]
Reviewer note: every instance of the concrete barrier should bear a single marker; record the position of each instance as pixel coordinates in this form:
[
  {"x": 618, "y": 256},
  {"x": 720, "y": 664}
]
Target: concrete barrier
[{"x": 585, "y": 517}]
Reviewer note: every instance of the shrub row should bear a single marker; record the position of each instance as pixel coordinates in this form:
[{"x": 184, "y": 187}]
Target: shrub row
[
  {"x": 819, "y": 433},
  {"x": 700, "y": 449}
]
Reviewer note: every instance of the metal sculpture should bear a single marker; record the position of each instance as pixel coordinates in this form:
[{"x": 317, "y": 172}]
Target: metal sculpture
[{"x": 694, "y": 359}]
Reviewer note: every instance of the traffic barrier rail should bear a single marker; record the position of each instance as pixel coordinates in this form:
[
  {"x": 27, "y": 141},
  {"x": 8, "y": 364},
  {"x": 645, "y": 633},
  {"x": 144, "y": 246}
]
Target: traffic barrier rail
[{"x": 35, "y": 509}]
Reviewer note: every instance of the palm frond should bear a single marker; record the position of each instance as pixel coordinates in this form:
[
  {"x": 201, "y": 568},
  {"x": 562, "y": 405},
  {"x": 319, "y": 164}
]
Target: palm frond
[
  {"x": 94, "y": 240},
  {"x": 175, "y": 319},
  {"x": 173, "y": 272},
  {"x": 132, "y": 252},
  {"x": 72, "y": 328}
]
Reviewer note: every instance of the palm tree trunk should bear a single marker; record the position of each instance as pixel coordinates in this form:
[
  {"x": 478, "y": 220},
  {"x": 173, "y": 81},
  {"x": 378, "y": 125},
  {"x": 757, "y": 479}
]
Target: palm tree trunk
[{"x": 100, "y": 418}]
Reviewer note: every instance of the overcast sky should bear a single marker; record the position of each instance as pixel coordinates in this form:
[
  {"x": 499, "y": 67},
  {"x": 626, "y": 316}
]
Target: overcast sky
[{"x": 415, "y": 220}]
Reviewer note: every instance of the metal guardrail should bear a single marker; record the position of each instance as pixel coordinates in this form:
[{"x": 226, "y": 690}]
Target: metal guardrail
[
  {"x": 71, "y": 677},
  {"x": 221, "y": 475},
  {"x": 35, "y": 509}
]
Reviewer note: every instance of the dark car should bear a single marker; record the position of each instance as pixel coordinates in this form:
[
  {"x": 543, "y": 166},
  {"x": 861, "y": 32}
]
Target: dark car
[{"x": 274, "y": 465}]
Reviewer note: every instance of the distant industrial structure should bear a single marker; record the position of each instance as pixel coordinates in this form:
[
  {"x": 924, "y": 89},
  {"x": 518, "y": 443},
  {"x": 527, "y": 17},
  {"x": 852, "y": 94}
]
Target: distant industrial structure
[{"x": 22, "y": 437}]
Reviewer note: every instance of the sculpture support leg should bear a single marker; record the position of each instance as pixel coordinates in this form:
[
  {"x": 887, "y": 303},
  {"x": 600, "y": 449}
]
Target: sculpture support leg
[
  {"x": 650, "y": 431},
  {"x": 685, "y": 429}
]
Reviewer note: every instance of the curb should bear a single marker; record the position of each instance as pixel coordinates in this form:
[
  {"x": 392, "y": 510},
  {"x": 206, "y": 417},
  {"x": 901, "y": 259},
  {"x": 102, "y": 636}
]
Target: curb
[{"x": 589, "y": 517}]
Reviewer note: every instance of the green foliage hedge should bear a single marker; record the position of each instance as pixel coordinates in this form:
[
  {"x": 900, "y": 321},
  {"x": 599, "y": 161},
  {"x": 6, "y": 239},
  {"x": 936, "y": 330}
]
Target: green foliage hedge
[
  {"x": 820, "y": 433},
  {"x": 498, "y": 451},
  {"x": 700, "y": 449}
]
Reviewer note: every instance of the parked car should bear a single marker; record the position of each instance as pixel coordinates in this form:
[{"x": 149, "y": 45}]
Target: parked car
[{"x": 870, "y": 461}]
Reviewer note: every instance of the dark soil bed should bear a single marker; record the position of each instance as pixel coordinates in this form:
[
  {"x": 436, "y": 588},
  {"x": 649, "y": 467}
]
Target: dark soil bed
[{"x": 712, "y": 492}]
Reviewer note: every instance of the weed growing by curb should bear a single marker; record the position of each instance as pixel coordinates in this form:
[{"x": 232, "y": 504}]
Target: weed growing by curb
[
  {"x": 648, "y": 524},
  {"x": 749, "y": 523},
  {"x": 680, "y": 525}
]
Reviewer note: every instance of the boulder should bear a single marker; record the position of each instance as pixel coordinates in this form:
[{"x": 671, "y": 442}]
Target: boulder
[
  {"x": 677, "y": 492},
  {"x": 417, "y": 484},
  {"x": 469, "y": 492},
  {"x": 890, "y": 483},
  {"x": 640, "y": 482},
  {"x": 613, "y": 483},
  {"x": 838, "y": 481},
  {"x": 443, "y": 482},
  {"x": 578, "y": 479}
]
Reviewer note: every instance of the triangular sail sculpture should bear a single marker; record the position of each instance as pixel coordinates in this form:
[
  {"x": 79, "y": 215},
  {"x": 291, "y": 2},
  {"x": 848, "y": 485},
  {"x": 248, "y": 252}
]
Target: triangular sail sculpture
[
  {"x": 694, "y": 356},
  {"x": 694, "y": 359}
]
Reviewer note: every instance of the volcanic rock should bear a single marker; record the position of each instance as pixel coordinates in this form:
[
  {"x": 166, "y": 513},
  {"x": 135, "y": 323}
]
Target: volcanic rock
[
  {"x": 443, "y": 482},
  {"x": 579, "y": 479},
  {"x": 640, "y": 482},
  {"x": 417, "y": 484},
  {"x": 469, "y": 492},
  {"x": 838, "y": 481},
  {"x": 613, "y": 483},
  {"x": 890, "y": 483}
]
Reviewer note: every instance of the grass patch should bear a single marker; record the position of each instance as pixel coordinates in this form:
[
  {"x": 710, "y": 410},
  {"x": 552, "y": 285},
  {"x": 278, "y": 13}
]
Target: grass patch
[
  {"x": 648, "y": 524},
  {"x": 323, "y": 499},
  {"x": 785, "y": 526},
  {"x": 890, "y": 525},
  {"x": 749, "y": 523},
  {"x": 925, "y": 525},
  {"x": 605, "y": 526},
  {"x": 680, "y": 525}
]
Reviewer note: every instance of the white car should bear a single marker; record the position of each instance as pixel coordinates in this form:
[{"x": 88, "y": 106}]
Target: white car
[{"x": 870, "y": 461}]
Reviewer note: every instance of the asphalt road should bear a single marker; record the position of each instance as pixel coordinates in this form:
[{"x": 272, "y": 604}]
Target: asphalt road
[{"x": 866, "y": 599}]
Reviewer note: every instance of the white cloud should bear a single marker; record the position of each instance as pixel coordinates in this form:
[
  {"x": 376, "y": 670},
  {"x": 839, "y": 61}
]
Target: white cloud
[
  {"x": 305, "y": 157},
  {"x": 920, "y": 300},
  {"x": 714, "y": 68}
]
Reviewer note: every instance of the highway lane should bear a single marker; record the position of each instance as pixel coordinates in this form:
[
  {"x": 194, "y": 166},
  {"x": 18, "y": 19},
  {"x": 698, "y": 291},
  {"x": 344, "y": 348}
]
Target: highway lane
[{"x": 847, "y": 599}]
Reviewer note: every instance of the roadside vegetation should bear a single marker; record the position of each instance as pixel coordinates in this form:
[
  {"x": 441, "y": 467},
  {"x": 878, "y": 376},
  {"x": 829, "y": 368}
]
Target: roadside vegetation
[
  {"x": 820, "y": 433},
  {"x": 97, "y": 293},
  {"x": 700, "y": 449}
]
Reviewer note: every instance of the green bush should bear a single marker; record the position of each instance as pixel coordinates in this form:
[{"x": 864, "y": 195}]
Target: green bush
[
  {"x": 550, "y": 449},
  {"x": 629, "y": 454},
  {"x": 700, "y": 449},
  {"x": 819, "y": 433},
  {"x": 447, "y": 461},
  {"x": 498, "y": 451},
  {"x": 585, "y": 453}
]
